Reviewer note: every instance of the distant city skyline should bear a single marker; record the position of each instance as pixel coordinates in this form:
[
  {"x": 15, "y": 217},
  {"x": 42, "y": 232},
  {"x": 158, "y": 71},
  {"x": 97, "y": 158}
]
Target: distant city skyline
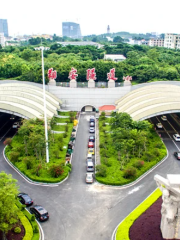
[{"x": 130, "y": 16}]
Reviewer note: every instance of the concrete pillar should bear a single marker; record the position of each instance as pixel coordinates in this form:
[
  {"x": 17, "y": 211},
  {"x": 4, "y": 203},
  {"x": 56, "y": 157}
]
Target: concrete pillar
[
  {"x": 91, "y": 83},
  {"x": 73, "y": 84},
  {"x": 111, "y": 83}
]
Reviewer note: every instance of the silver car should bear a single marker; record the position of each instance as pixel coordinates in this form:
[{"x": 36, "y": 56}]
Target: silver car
[
  {"x": 91, "y": 130},
  {"x": 89, "y": 178}
]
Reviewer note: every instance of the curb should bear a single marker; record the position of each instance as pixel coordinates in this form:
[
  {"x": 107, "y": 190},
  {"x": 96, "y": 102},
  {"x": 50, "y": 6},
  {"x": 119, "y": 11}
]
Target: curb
[
  {"x": 28, "y": 179},
  {"x": 113, "y": 237}
]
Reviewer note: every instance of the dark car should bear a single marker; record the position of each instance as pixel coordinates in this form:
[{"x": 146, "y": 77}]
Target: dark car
[
  {"x": 92, "y": 119},
  {"x": 177, "y": 155},
  {"x": 40, "y": 213},
  {"x": 91, "y": 138},
  {"x": 25, "y": 199}
]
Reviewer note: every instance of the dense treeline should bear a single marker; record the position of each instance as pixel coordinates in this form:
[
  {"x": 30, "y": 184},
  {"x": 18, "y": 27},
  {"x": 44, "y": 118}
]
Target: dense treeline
[{"x": 143, "y": 63}]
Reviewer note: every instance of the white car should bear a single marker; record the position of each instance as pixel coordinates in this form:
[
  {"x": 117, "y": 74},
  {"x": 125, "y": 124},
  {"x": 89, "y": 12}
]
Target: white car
[
  {"x": 89, "y": 178},
  {"x": 16, "y": 125},
  {"x": 176, "y": 137},
  {"x": 164, "y": 118},
  {"x": 159, "y": 125}
]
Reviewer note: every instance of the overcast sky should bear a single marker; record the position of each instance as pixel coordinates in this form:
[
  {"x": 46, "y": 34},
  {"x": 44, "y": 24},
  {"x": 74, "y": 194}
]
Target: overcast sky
[{"x": 135, "y": 16}]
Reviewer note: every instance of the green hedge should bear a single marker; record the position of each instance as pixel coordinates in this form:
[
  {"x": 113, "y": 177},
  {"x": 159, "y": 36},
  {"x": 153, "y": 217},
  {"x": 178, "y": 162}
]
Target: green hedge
[
  {"x": 30, "y": 225},
  {"x": 123, "y": 228},
  {"x": 27, "y": 226}
]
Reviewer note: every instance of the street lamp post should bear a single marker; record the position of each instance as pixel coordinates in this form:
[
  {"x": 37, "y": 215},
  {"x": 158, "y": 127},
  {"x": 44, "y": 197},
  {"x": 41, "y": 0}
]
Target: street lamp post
[{"x": 45, "y": 114}]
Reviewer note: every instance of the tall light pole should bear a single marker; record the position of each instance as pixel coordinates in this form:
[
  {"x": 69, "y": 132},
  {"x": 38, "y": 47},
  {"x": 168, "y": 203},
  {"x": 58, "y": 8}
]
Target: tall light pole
[{"x": 45, "y": 114}]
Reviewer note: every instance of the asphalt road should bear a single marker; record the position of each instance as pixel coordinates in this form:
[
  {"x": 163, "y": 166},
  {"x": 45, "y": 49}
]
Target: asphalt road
[{"x": 80, "y": 211}]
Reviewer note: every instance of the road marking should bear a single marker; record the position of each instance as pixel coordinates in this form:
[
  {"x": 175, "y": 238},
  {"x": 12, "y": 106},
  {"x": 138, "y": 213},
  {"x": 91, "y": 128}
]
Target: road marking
[
  {"x": 176, "y": 145},
  {"x": 135, "y": 189},
  {"x": 5, "y": 134}
]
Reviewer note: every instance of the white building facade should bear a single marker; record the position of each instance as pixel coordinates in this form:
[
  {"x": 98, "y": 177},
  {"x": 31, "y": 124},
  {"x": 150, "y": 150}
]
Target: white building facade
[{"x": 172, "y": 40}]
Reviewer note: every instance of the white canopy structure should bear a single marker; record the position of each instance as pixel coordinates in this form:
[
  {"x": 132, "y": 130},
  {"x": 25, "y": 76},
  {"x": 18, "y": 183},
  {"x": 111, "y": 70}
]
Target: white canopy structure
[
  {"x": 150, "y": 101},
  {"x": 26, "y": 100}
]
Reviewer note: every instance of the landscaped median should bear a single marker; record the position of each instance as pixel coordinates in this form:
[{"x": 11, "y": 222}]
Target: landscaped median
[
  {"x": 122, "y": 232},
  {"x": 128, "y": 149},
  {"x": 26, "y": 150}
]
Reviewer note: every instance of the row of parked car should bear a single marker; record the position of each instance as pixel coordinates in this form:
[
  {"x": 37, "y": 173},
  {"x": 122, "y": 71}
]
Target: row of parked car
[
  {"x": 40, "y": 213},
  {"x": 91, "y": 152}
]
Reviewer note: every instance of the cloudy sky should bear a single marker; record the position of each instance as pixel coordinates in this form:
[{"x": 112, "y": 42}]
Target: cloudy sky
[{"x": 135, "y": 16}]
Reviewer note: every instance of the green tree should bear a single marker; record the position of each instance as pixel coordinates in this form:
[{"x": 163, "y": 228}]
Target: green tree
[{"x": 8, "y": 210}]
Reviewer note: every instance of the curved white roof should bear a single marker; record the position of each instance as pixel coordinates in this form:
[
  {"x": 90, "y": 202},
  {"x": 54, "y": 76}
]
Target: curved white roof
[
  {"x": 149, "y": 101},
  {"x": 27, "y": 100}
]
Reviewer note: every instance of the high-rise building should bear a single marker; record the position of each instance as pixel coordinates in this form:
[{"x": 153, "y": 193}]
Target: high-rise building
[
  {"x": 71, "y": 29},
  {"x": 4, "y": 27},
  {"x": 108, "y": 29}
]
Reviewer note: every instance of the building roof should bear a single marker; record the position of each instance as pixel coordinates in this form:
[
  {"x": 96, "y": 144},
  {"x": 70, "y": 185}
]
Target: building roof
[
  {"x": 82, "y": 43},
  {"x": 107, "y": 108},
  {"x": 114, "y": 56}
]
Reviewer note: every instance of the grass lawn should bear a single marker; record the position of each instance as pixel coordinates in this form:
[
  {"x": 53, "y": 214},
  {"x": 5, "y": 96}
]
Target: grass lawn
[
  {"x": 66, "y": 113},
  {"x": 62, "y": 120}
]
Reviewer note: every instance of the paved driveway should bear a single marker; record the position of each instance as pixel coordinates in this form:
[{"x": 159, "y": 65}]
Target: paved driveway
[{"x": 79, "y": 211}]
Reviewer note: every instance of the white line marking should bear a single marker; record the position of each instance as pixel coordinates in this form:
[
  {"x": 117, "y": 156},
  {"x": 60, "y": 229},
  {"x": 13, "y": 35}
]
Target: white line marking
[{"x": 5, "y": 134}]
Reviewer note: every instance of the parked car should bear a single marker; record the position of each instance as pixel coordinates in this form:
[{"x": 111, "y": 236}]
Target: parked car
[
  {"x": 89, "y": 178},
  {"x": 90, "y": 167},
  {"x": 16, "y": 125},
  {"x": 92, "y": 119},
  {"x": 91, "y": 138},
  {"x": 91, "y": 124},
  {"x": 91, "y": 151},
  {"x": 25, "y": 199},
  {"x": 90, "y": 144},
  {"x": 89, "y": 158},
  {"x": 91, "y": 130},
  {"x": 159, "y": 125},
  {"x": 40, "y": 212},
  {"x": 177, "y": 155},
  {"x": 12, "y": 117},
  {"x": 164, "y": 118},
  {"x": 176, "y": 137}
]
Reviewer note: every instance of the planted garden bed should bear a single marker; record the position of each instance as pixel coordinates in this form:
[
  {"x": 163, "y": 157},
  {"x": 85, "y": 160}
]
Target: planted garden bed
[
  {"x": 27, "y": 151},
  {"x": 127, "y": 149}
]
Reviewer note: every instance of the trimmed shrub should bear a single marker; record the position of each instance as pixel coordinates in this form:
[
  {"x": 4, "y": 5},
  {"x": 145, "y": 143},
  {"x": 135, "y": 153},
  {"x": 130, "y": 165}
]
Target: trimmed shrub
[
  {"x": 35, "y": 229},
  {"x": 8, "y": 141},
  {"x": 29, "y": 162},
  {"x": 149, "y": 156},
  {"x": 129, "y": 172},
  {"x": 33, "y": 217},
  {"x": 14, "y": 156},
  {"x": 17, "y": 229},
  {"x": 138, "y": 164},
  {"x": 37, "y": 170},
  {"x": 66, "y": 128},
  {"x": 56, "y": 170},
  {"x": 101, "y": 170},
  {"x": 65, "y": 134}
]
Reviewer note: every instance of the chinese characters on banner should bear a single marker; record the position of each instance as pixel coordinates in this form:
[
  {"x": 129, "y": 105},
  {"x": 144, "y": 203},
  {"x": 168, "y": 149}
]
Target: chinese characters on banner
[
  {"x": 91, "y": 74},
  {"x": 111, "y": 75},
  {"x": 72, "y": 74},
  {"x": 52, "y": 74},
  {"x": 127, "y": 78}
]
